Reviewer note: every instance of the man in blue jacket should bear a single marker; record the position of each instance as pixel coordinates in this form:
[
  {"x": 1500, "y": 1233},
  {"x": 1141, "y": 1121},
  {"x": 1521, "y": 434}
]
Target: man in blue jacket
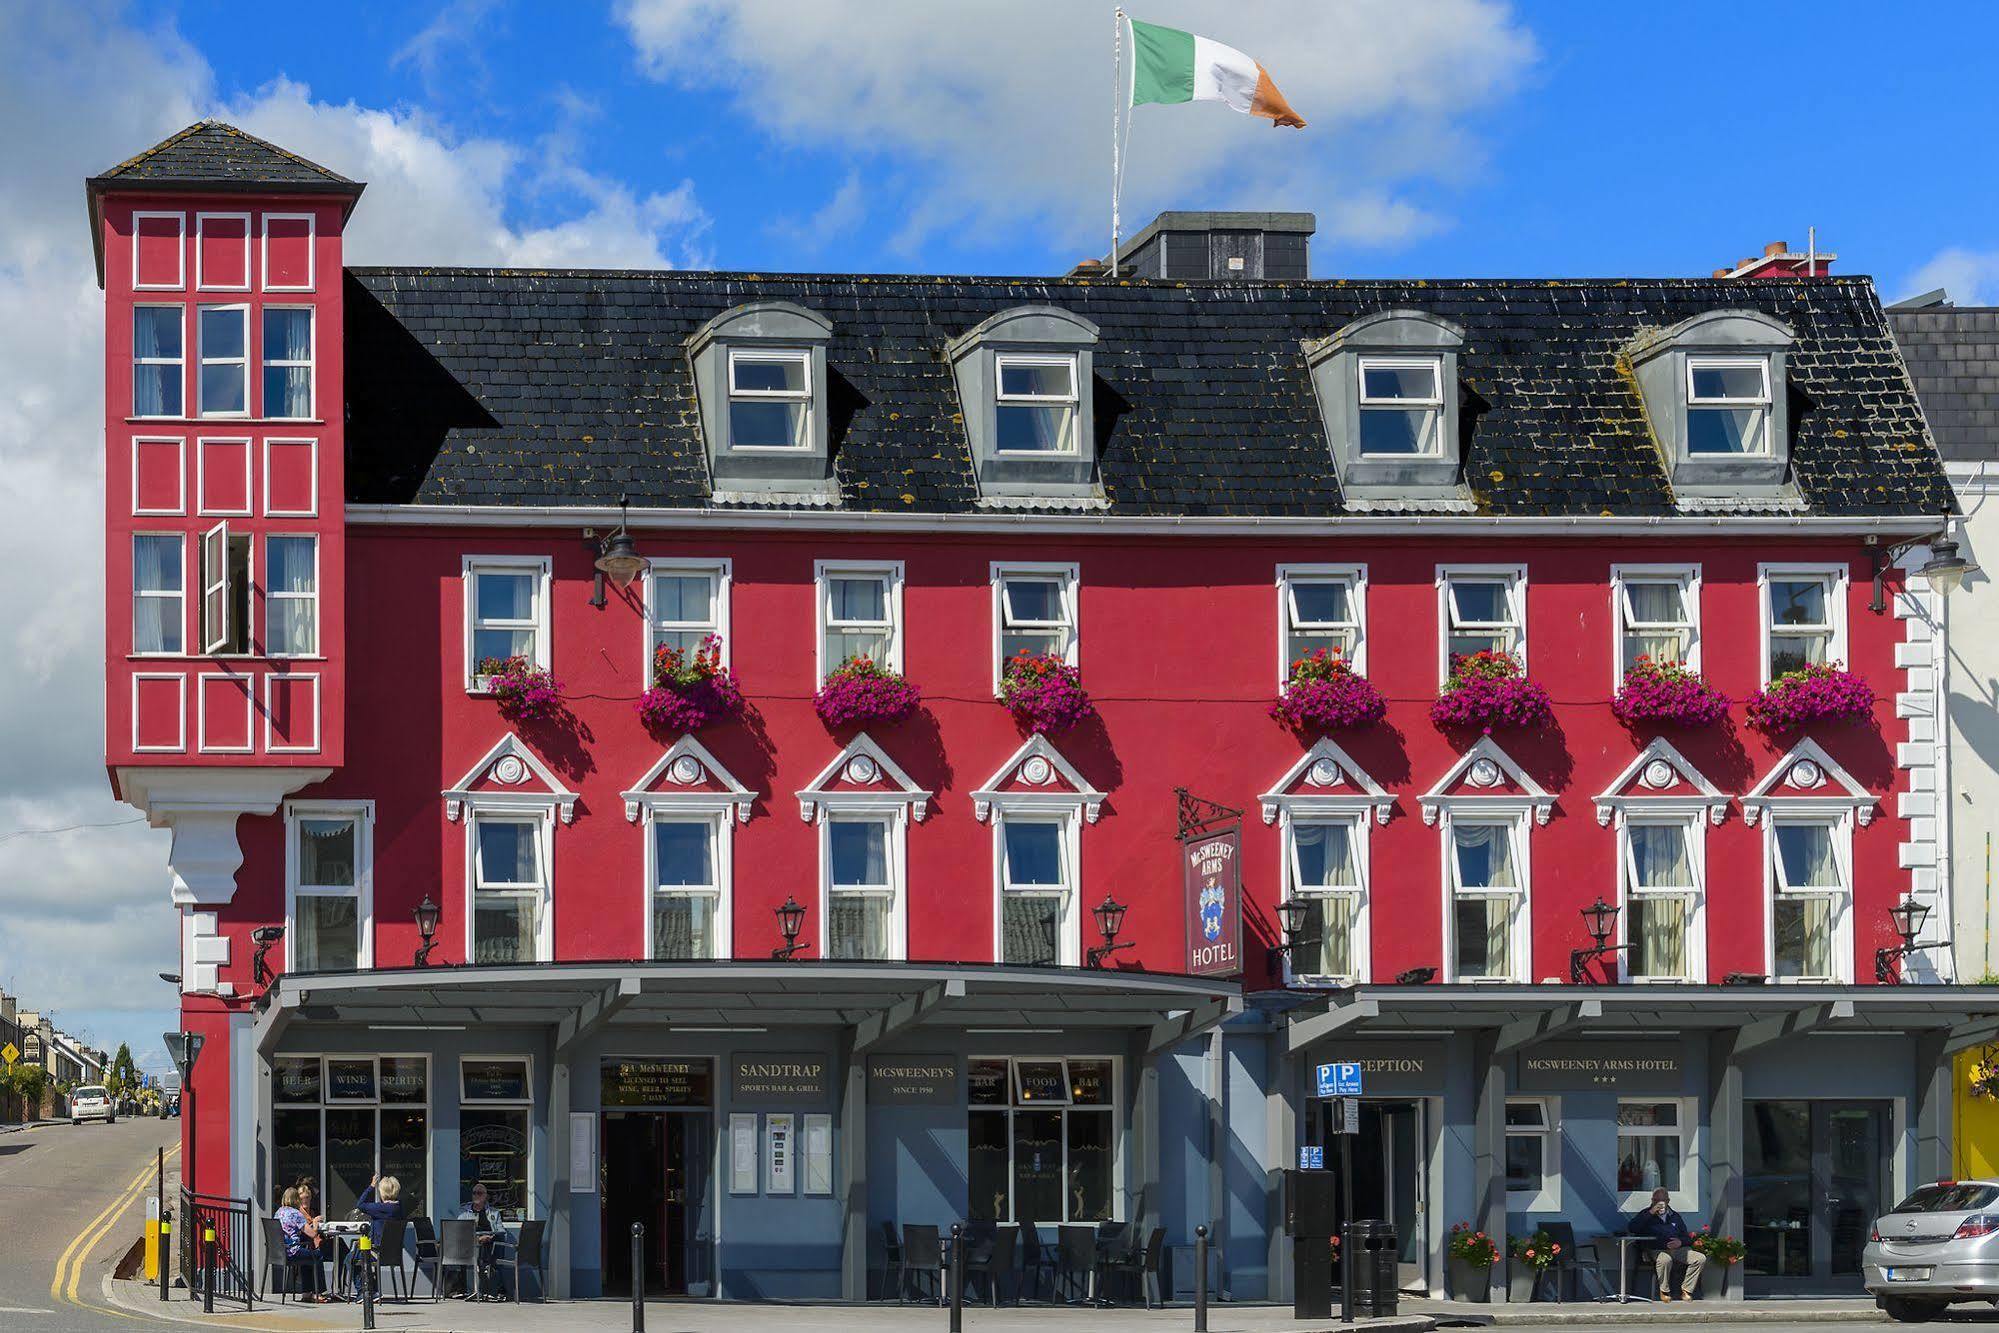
[{"x": 1668, "y": 1230}]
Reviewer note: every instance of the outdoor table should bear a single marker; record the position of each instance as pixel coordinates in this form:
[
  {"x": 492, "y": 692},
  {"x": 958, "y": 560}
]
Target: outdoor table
[
  {"x": 1624, "y": 1243},
  {"x": 346, "y": 1240}
]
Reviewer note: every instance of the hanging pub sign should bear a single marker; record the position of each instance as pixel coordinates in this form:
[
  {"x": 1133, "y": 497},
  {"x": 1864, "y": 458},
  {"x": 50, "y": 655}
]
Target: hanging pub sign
[{"x": 1214, "y": 902}]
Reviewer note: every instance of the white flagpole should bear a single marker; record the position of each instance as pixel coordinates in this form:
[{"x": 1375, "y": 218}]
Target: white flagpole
[{"x": 1117, "y": 108}]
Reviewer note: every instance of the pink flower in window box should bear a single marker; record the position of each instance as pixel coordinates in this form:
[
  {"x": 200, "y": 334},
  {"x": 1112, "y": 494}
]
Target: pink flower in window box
[
  {"x": 524, "y": 692},
  {"x": 690, "y": 689},
  {"x": 1325, "y": 693},
  {"x": 860, "y": 691},
  {"x": 1488, "y": 690},
  {"x": 1818, "y": 692},
  {"x": 1669, "y": 694},
  {"x": 1044, "y": 693}
]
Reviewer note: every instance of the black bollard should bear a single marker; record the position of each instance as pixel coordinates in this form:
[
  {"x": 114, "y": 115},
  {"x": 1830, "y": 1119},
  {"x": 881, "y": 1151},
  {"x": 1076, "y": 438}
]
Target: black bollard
[
  {"x": 367, "y": 1261},
  {"x": 166, "y": 1249},
  {"x": 1201, "y": 1279},
  {"x": 208, "y": 1270},
  {"x": 957, "y": 1278},
  {"x": 638, "y": 1277}
]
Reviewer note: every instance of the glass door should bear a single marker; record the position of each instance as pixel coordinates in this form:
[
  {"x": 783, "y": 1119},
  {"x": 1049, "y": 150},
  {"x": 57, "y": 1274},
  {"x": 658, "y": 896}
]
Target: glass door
[
  {"x": 1816, "y": 1174},
  {"x": 1402, "y": 1141}
]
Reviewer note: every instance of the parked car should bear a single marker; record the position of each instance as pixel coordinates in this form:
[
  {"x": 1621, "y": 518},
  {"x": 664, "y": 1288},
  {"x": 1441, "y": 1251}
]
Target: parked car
[
  {"x": 92, "y": 1103},
  {"x": 1938, "y": 1246}
]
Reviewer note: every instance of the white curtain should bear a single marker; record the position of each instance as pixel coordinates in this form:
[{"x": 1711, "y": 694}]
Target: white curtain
[
  {"x": 1485, "y": 856},
  {"x": 1659, "y": 856},
  {"x": 1806, "y": 855},
  {"x": 1655, "y": 604}
]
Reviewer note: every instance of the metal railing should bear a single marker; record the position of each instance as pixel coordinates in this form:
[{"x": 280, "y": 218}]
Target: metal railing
[{"x": 218, "y": 1248}]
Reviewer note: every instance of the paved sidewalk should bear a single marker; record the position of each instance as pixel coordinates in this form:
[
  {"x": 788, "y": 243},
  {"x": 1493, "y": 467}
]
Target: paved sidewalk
[{"x": 1597, "y": 1314}]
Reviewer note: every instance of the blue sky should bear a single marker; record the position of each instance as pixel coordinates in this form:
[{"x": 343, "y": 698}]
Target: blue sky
[{"x": 1448, "y": 137}]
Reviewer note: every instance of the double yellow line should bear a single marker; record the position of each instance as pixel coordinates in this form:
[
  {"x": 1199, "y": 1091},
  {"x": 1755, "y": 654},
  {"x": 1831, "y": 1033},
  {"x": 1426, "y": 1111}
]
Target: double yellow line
[{"x": 69, "y": 1268}]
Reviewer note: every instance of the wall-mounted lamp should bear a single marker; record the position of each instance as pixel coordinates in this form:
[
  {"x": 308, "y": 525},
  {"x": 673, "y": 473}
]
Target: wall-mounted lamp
[
  {"x": 427, "y": 913},
  {"x": 790, "y": 920},
  {"x": 1908, "y": 917},
  {"x": 264, "y": 937},
  {"x": 1110, "y": 920},
  {"x": 1945, "y": 571},
  {"x": 1600, "y": 919},
  {"x": 1292, "y": 913},
  {"x": 617, "y": 556}
]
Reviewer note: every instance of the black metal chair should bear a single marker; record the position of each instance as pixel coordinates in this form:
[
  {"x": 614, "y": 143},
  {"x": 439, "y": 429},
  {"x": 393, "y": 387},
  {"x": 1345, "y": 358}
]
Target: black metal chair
[
  {"x": 1566, "y": 1266},
  {"x": 991, "y": 1257},
  {"x": 457, "y": 1247},
  {"x": 423, "y": 1250},
  {"x": 282, "y": 1265},
  {"x": 1141, "y": 1265},
  {"x": 1035, "y": 1260},
  {"x": 891, "y": 1262},
  {"x": 389, "y": 1256},
  {"x": 923, "y": 1257},
  {"x": 526, "y": 1253},
  {"x": 1076, "y": 1261}
]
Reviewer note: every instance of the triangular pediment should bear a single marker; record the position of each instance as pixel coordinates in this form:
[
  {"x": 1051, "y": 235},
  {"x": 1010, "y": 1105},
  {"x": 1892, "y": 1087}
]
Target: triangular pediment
[
  {"x": 1326, "y": 780},
  {"x": 687, "y": 776},
  {"x": 1663, "y": 780},
  {"x": 1807, "y": 778},
  {"x": 861, "y": 777},
  {"x": 1037, "y": 774},
  {"x": 510, "y": 776},
  {"x": 1487, "y": 776}
]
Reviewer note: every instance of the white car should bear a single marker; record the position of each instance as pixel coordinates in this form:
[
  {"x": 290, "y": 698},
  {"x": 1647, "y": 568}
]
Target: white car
[
  {"x": 92, "y": 1103},
  {"x": 1940, "y": 1245}
]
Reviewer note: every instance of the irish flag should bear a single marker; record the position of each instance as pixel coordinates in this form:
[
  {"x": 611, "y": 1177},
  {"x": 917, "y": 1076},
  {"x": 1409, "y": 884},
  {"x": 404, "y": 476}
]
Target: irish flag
[{"x": 1174, "y": 66}]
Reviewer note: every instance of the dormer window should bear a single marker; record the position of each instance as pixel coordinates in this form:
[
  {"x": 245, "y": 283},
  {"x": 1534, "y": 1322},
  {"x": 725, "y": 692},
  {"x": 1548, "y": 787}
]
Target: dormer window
[
  {"x": 770, "y": 398},
  {"x": 1728, "y": 405},
  {"x": 1401, "y": 403},
  {"x": 1036, "y": 408}
]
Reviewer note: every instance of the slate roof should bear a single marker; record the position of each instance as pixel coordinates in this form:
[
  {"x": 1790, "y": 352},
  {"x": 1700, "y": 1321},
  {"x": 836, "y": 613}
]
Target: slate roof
[
  {"x": 498, "y": 387},
  {"x": 210, "y": 152},
  {"x": 1953, "y": 357}
]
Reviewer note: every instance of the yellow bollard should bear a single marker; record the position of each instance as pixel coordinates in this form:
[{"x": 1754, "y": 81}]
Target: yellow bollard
[{"x": 152, "y": 1270}]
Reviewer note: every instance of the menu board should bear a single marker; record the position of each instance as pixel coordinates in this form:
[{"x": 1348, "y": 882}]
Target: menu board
[{"x": 656, "y": 1083}]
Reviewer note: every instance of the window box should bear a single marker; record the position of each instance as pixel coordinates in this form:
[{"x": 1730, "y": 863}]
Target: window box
[
  {"x": 690, "y": 689},
  {"x": 1325, "y": 693},
  {"x": 1669, "y": 694},
  {"x": 1489, "y": 690},
  {"x": 861, "y": 691},
  {"x": 1044, "y": 693},
  {"x": 1816, "y": 692},
  {"x": 524, "y": 693}
]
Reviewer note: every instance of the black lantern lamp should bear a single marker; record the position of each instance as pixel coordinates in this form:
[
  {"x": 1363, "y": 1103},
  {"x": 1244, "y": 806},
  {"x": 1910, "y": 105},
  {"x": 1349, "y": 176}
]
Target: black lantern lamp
[
  {"x": 1907, "y": 916},
  {"x": 1291, "y": 916},
  {"x": 617, "y": 556},
  {"x": 790, "y": 920},
  {"x": 1945, "y": 571},
  {"x": 1110, "y": 920},
  {"x": 427, "y": 913},
  {"x": 1600, "y": 920},
  {"x": 264, "y": 937}
]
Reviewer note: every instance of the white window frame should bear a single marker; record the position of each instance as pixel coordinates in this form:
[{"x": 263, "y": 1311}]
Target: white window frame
[
  {"x": 179, "y": 284},
  {"x": 720, "y": 573},
  {"x": 1836, "y": 578},
  {"x": 1695, "y": 824},
  {"x": 272, "y": 594},
  {"x": 475, "y": 565},
  {"x": 1434, "y": 404},
  {"x": 1689, "y": 579},
  {"x": 1514, "y": 816},
  {"x": 543, "y": 821},
  {"x": 1357, "y": 823},
  {"x": 1288, "y": 577},
  {"x": 201, "y": 282},
  {"x": 1070, "y": 575},
  {"x": 178, "y": 362},
  {"x": 1841, "y": 945},
  {"x": 1013, "y": 1106},
  {"x": 896, "y": 853},
  {"x": 311, "y": 363},
  {"x": 823, "y": 574},
  {"x": 1068, "y": 824},
  {"x": 1515, "y": 579},
  {"x": 800, "y": 356},
  {"x": 1682, "y": 1199},
  {"x": 362, "y": 815},
  {"x": 311, "y": 250},
  {"x": 1762, "y": 404},
  {"x": 180, "y": 542},
  {"x": 1547, "y": 1198},
  {"x": 203, "y": 360},
  {"x": 222, "y": 587},
  {"x": 1071, "y": 400},
  {"x": 721, "y": 863}
]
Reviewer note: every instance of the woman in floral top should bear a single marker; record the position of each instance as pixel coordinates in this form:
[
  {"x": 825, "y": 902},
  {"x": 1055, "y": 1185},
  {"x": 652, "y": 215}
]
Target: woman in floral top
[{"x": 302, "y": 1242}]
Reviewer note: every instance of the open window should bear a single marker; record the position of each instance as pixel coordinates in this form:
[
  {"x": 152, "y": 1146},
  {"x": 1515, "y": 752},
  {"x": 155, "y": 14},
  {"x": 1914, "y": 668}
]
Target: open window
[{"x": 225, "y": 591}]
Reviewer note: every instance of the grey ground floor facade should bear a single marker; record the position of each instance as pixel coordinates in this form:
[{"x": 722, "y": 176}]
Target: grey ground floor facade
[{"x": 768, "y": 1124}]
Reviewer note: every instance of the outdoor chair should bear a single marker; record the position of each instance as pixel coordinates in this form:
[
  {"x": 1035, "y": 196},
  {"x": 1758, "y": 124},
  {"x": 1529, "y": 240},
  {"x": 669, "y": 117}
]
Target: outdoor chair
[
  {"x": 1566, "y": 1266},
  {"x": 457, "y": 1247},
  {"x": 992, "y": 1258},
  {"x": 891, "y": 1262},
  {"x": 1142, "y": 1266},
  {"x": 283, "y": 1267},
  {"x": 1076, "y": 1261},
  {"x": 423, "y": 1250},
  {"x": 389, "y": 1257},
  {"x": 923, "y": 1257},
  {"x": 1035, "y": 1260},
  {"x": 526, "y": 1253}
]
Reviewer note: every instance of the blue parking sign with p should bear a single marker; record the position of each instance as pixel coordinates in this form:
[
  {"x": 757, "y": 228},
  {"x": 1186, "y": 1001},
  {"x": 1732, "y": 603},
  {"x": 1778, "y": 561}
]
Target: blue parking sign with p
[{"x": 1340, "y": 1079}]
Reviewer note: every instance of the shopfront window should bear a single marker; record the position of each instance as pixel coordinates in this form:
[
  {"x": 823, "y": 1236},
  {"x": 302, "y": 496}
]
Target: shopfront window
[
  {"x": 1042, "y": 1145},
  {"x": 344, "y": 1119},
  {"x": 494, "y": 1102},
  {"x": 1651, "y": 1148},
  {"x": 1532, "y": 1156}
]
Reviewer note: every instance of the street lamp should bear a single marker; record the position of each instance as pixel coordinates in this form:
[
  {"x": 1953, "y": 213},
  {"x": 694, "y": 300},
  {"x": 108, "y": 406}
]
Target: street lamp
[
  {"x": 1945, "y": 571},
  {"x": 1600, "y": 920},
  {"x": 1110, "y": 920},
  {"x": 617, "y": 556},
  {"x": 1907, "y": 917},
  {"x": 427, "y": 913},
  {"x": 790, "y": 920},
  {"x": 264, "y": 937}
]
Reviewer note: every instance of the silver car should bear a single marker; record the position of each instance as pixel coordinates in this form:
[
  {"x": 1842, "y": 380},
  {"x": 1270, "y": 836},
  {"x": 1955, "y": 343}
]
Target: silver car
[
  {"x": 1939, "y": 1245},
  {"x": 92, "y": 1103}
]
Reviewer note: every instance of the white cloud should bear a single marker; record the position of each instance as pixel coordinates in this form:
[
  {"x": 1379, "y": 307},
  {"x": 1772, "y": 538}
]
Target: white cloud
[
  {"x": 1001, "y": 112},
  {"x": 1970, "y": 276},
  {"x": 88, "y": 920}
]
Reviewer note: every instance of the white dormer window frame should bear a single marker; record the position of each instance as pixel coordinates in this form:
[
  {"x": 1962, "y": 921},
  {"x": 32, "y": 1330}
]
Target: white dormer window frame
[
  {"x": 1830, "y": 634},
  {"x": 1684, "y": 372},
  {"x": 1631, "y": 628},
  {"x": 1704, "y": 399},
  {"x": 1430, "y": 405},
  {"x": 1511, "y": 629},
  {"x": 799, "y": 400},
  {"x": 1064, "y": 403},
  {"x": 1012, "y": 621},
  {"x": 1300, "y": 630},
  {"x": 766, "y": 333},
  {"x": 538, "y": 568},
  {"x": 824, "y": 574}
]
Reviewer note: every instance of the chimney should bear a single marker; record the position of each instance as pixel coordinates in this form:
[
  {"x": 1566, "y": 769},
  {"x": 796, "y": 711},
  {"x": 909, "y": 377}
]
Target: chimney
[
  {"x": 1779, "y": 260},
  {"x": 1219, "y": 247}
]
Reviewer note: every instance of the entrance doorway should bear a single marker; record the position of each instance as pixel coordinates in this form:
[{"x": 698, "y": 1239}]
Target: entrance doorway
[
  {"x": 1390, "y": 1176},
  {"x": 655, "y": 1172},
  {"x": 1815, "y": 1176}
]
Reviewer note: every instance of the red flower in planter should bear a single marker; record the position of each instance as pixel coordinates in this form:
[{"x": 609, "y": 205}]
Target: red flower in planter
[
  {"x": 524, "y": 692},
  {"x": 1488, "y": 690},
  {"x": 690, "y": 690},
  {"x": 1044, "y": 693},
  {"x": 1669, "y": 694},
  {"x": 1817, "y": 692},
  {"x": 861, "y": 690},
  {"x": 1325, "y": 693}
]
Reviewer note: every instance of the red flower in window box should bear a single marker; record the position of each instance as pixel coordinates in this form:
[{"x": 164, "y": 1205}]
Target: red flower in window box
[
  {"x": 690, "y": 690},
  {"x": 1818, "y": 692},
  {"x": 1044, "y": 693},
  {"x": 1488, "y": 690},
  {"x": 523, "y": 691},
  {"x": 1669, "y": 694},
  {"x": 1325, "y": 693},
  {"x": 860, "y": 691}
]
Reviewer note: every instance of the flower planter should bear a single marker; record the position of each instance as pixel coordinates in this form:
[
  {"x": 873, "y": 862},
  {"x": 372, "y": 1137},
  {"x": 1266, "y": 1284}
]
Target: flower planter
[
  {"x": 1714, "y": 1280},
  {"x": 1521, "y": 1280},
  {"x": 860, "y": 693},
  {"x": 1822, "y": 692},
  {"x": 690, "y": 690},
  {"x": 1323, "y": 693},
  {"x": 1489, "y": 691},
  {"x": 1470, "y": 1283},
  {"x": 1044, "y": 693},
  {"x": 522, "y": 692},
  {"x": 1669, "y": 695}
]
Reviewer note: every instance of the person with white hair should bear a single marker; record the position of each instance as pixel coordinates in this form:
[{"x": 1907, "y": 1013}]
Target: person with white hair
[{"x": 380, "y": 1202}]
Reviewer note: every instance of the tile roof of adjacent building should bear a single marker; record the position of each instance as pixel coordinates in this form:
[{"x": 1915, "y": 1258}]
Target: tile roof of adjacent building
[
  {"x": 1953, "y": 356},
  {"x": 501, "y": 387}
]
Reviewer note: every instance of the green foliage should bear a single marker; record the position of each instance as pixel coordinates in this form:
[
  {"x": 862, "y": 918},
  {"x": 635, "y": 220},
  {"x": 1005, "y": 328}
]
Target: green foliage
[{"x": 123, "y": 1077}]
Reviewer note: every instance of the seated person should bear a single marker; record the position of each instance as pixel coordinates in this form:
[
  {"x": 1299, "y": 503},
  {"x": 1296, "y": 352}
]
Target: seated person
[
  {"x": 379, "y": 1203},
  {"x": 1668, "y": 1230},
  {"x": 302, "y": 1241},
  {"x": 490, "y": 1234}
]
